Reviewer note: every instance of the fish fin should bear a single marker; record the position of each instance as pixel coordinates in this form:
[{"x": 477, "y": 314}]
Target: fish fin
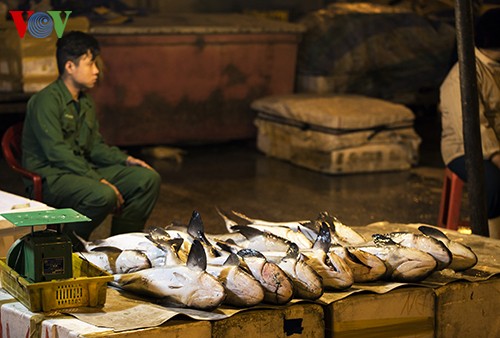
[
  {"x": 247, "y": 231},
  {"x": 232, "y": 260},
  {"x": 324, "y": 240},
  {"x": 242, "y": 218},
  {"x": 175, "y": 244},
  {"x": 87, "y": 243},
  {"x": 382, "y": 240},
  {"x": 292, "y": 252},
  {"x": 227, "y": 220},
  {"x": 250, "y": 253},
  {"x": 112, "y": 249},
  {"x": 158, "y": 232},
  {"x": 224, "y": 247},
  {"x": 228, "y": 246},
  {"x": 196, "y": 228},
  {"x": 197, "y": 258},
  {"x": 432, "y": 232}
]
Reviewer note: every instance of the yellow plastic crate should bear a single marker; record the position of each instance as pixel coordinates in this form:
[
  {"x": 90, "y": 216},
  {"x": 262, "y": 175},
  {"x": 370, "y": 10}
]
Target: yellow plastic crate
[{"x": 86, "y": 288}]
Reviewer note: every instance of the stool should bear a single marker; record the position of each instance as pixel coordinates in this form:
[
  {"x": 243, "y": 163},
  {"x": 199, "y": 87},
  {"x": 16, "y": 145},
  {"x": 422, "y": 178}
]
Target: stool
[{"x": 451, "y": 200}]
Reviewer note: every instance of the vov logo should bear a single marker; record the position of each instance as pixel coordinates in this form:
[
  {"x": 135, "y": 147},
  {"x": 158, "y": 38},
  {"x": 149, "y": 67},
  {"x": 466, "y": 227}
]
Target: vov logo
[{"x": 40, "y": 24}]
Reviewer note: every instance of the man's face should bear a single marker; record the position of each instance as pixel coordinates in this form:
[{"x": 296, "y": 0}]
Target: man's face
[{"x": 84, "y": 72}]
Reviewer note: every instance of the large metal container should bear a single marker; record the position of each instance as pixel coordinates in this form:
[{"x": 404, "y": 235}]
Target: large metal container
[{"x": 191, "y": 77}]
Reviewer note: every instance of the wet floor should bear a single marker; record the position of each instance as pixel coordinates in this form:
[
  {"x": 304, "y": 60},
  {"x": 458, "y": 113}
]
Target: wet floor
[{"x": 237, "y": 176}]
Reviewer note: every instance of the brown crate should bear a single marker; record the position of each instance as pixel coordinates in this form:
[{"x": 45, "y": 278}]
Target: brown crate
[
  {"x": 298, "y": 320},
  {"x": 407, "y": 312},
  {"x": 465, "y": 309},
  {"x": 172, "y": 329}
]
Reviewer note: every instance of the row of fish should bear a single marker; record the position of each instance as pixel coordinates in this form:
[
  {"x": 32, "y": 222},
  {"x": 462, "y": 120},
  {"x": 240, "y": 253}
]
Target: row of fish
[{"x": 258, "y": 261}]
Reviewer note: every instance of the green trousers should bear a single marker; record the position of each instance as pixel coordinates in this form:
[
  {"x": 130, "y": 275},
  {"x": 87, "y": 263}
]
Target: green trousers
[{"x": 139, "y": 187}]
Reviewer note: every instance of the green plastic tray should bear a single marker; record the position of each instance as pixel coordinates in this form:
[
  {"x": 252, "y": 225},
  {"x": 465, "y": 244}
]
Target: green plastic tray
[{"x": 45, "y": 217}]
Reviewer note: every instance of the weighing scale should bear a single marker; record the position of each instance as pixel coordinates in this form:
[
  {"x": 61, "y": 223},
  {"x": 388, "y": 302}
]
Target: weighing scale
[{"x": 47, "y": 254}]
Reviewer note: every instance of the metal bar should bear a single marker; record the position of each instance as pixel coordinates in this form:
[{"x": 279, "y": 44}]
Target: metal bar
[{"x": 470, "y": 113}]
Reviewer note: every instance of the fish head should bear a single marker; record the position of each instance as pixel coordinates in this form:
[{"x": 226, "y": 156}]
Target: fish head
[
  {"x": 308, "y": 283},
  {"x": 131, "y": 260},
  {"x": 409, "y": 264},
  {"x": 463, "y": 257},
  {"x": 205, "y": 293},
  {"x": 242, "y": 289}
]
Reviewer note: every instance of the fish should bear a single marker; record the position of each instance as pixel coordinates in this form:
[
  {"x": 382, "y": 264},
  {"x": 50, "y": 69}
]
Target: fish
[
  {"x": 278, "y": 287},
  {"x": 340, "y": 233},
  {"x": 463, "y": 257},
  {"x": 296, "y": 237},
  {"x": 334, "y": 271},
  {"x": 186, "y": 285},
  {"x": 130, "y": 241},
  {"x": 114, "y": 260},
  {"x": 307, "y": 283},
  {"x": 403, "y": 264},
  {"x": 431, "y": 245},
  {"x": 365, "y": 266},
  {"x": 296, "y": 226},
  {"x": 242, "y": 289},
  {"x": 262, "y": 240}
]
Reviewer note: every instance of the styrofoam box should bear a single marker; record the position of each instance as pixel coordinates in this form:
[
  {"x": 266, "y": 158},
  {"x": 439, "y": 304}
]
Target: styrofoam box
[{"x": 337, "y": 134}]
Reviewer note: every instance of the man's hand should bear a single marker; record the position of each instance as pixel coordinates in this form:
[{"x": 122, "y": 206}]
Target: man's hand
[
  {"x": 135, "y": 161},
  {"x": 119, "y": 197}
]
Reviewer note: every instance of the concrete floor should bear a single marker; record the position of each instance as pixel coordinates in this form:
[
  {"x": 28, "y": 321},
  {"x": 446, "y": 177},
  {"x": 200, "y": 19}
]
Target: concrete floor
[{"x": 237, "y": 176}]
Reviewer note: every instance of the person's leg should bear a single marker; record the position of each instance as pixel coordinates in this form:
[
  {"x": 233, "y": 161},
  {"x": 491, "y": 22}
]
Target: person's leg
[
  {"x": 87, "y": 196},
  {"x": 492, "y": 188},
  {"x": 140, "y": 188}
]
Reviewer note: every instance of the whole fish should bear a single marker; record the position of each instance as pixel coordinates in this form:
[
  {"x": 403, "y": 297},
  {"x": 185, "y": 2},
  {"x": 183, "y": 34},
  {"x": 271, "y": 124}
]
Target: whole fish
[
  {"x": 278, "y": 288},
  {"x": 403, "y": 264},
  {"x": 425, "y": 243},
  {"x": 295, "y": 226},
  {"x": 308, "y": 284},
  {"x": 130, "y": 241},
  {"x": 334, "y": 271},
  {"x": 262, "y": 240},
  {"x": 114, "y": 260},
  {"x": 340, "y": 233},
  {"x": 242, "y": 289},
  {"x": 296, "y": 237},
  {"x": 365, "y": 266},
  {"x": 186, "y": 285},
  {"x": 463, "y": 257}
]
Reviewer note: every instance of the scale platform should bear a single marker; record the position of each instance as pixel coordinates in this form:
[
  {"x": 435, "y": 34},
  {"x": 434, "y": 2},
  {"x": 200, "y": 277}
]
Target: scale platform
[{"x": 43, "y": 255}]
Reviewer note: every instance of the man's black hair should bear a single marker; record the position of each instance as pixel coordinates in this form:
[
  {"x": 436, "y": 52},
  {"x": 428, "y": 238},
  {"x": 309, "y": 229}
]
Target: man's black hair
[
  {"x": 72, "y": 46},
  {"x": 488, "y": 30}
]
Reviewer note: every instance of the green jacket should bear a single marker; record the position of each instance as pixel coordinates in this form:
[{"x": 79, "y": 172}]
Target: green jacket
[{"x": 57, "y": 139}]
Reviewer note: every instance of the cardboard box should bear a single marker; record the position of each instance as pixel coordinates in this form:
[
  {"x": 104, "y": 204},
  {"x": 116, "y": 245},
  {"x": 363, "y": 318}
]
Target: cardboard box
[
  {"x": 9, "y": 234},
  {"x": 172, "y": 329},
  {"x": 29, "y": 64},
  {"x": 298, "y": 320},
  {"x": 465, "y": 309},
  {"x": 407, "y": 312}
]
